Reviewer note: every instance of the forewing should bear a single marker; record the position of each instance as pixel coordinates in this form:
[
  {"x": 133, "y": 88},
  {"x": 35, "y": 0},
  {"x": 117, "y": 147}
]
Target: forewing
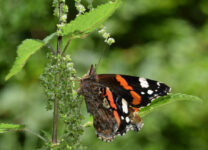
[{"x": 138, "y": 92}]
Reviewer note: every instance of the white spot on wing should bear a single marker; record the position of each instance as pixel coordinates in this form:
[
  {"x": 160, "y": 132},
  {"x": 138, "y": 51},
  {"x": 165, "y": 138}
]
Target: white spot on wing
[
  {"x": 142, "y": 93},
  {"x": 122, "y": 117},
  {"x": 124, "y": 106},
  {"x": 127, "y": 119},
  {"x": 149, "y": 92},
  {"x": 158, "y": 83},
  {"x": 143, "y": 83}
]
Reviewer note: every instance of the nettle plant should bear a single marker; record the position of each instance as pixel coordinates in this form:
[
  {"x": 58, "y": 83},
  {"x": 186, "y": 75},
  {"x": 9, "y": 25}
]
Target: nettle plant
[{"x": 59, "y": 75}]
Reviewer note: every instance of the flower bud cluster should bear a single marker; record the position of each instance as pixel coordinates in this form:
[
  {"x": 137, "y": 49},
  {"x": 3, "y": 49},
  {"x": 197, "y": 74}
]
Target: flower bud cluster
[
  {"x": 60, "y": 11},
  {"x": 58, "y": 81},
  {"x": 80, "y": 8},
  {"x": 109, "y": 40}
]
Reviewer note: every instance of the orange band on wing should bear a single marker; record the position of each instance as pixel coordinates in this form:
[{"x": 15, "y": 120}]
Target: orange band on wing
[
  {"x": 123, "y": 82},
  {"x": 113, "y": 105},
  {"x": 115, "y": 113},
  {"x": 136, "y": 98},
  {"x": 135, "y": 109},
  {"x": 110, "y": 98}
]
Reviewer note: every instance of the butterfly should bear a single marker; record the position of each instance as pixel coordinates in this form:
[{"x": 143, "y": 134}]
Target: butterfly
[{"x": 114, "y": 101}]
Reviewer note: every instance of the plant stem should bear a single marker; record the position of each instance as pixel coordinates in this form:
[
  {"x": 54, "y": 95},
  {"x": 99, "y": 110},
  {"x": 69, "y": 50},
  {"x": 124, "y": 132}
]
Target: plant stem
[
  {"x": 56, "y": 103},
  {"x": 55, "y": 121},
  {"x": 59, "y": 37},
  {"x": 58, "y": 44},
  {"x": 65, "y": 48}
]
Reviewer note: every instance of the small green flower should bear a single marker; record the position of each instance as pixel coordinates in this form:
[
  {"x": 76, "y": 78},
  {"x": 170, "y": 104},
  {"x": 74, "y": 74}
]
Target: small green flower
[
  {"x": 106, "y": 35},
  {"x": 102, "y": 31},
  {"x": 110, "y": 41},
  {"x": 80, "y": 8},
  {"x": 65, "y": 9},
  {"x": 64, "y": 17}
]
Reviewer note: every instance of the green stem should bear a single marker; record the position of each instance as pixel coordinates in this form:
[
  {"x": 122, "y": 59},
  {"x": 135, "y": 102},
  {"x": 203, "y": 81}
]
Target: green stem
[
  {"x": 55, "y": 121},
  {"x": 59, "y": 37},
  {"x": 66, "y": 46},
  {"x": 56, "y": 103},
  {"x": 58, "y": 44}
]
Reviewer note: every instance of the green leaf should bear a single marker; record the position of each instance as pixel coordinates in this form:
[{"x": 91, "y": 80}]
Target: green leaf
[
  {"x": 4, "y": 127},
  {"x": 161, "y": 101},
  {"x": 47, "y": 39},
  {"x": 92, "y": 20},
  {"x": 24, "y": 51},
  {"x": 89, "y": 123}
]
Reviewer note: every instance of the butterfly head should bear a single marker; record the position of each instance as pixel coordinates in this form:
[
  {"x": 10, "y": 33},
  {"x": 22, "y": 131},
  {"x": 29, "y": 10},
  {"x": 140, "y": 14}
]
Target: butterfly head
[
  {"x": 90, "y": 74},
  {"x": 89, "y": 78}
]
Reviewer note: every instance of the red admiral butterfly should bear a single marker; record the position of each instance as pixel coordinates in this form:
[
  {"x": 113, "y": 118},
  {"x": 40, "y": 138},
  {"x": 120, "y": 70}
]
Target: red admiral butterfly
[{"x": 114, "y": 100}]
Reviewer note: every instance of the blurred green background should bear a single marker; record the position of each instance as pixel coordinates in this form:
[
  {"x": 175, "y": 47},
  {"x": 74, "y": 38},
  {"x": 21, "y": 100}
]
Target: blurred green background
[{"x": 165, "y": 40}]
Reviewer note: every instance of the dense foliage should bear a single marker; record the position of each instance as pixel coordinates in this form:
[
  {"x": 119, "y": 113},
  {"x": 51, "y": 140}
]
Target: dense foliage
[{"x": 162, "y": 40}]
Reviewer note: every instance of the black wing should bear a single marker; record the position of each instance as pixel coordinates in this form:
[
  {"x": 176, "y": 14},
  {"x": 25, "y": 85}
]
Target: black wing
[{"x": 138, "y": 92}]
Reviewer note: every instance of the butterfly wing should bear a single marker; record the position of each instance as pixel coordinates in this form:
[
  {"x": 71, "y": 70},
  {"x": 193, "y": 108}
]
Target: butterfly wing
[
  {"x": 125, "y": 117},
  {"x": 113, "y": 101},
  {"x": 126, "y": 94},
  {"x": 138, "y": 92}
]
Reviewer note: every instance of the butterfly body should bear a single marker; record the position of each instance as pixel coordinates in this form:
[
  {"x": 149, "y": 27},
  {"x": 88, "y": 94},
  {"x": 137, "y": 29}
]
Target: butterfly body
[{"x": 114, "y": 100}]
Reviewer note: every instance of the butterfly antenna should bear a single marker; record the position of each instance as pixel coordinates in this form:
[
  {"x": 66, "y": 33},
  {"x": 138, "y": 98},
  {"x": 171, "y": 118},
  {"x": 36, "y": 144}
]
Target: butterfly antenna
[{"x": 102, "y": 53}]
